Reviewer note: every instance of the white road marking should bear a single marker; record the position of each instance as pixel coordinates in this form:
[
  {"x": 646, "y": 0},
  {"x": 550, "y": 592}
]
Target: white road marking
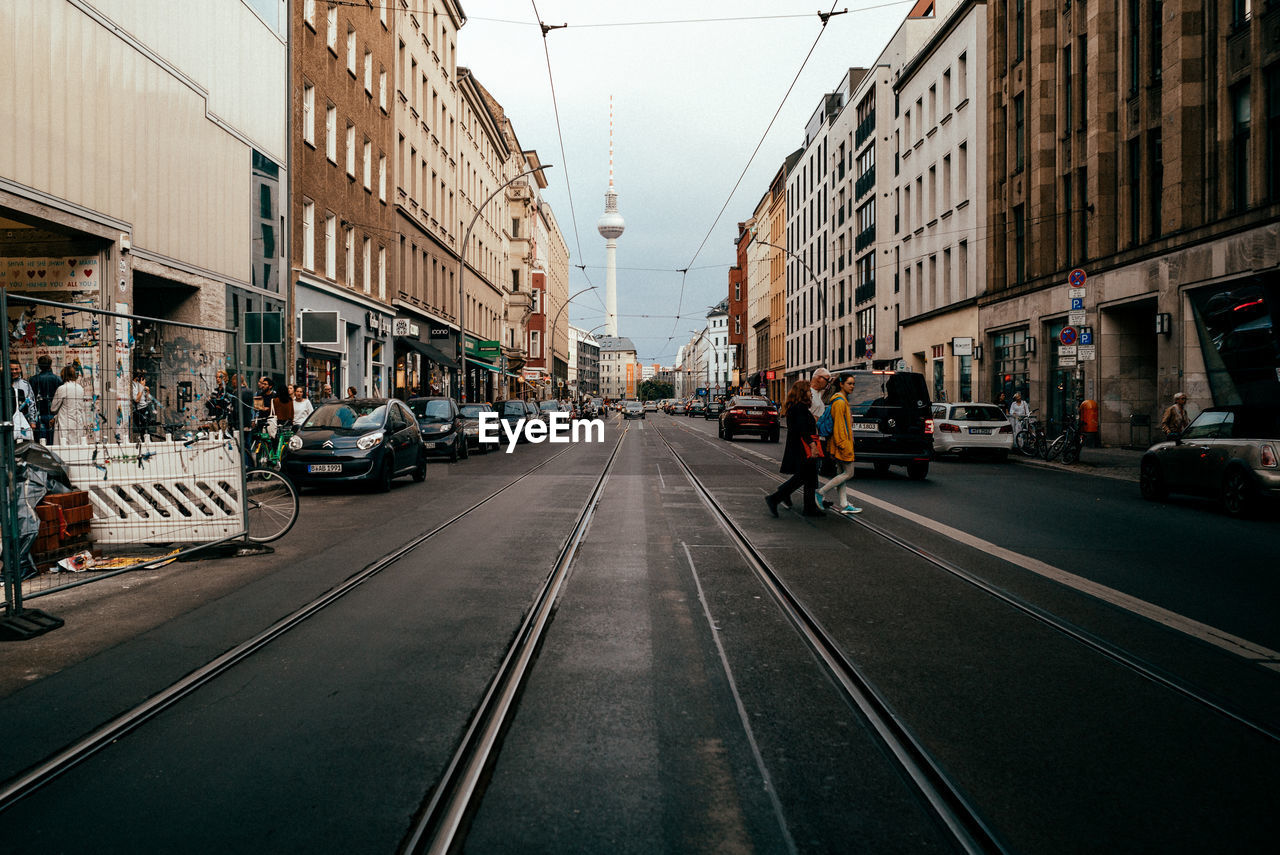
[
  {"x": 742, "y": 712},
  {"x": 661, "y": 480},
  {"x": 1233, "y": 644}
]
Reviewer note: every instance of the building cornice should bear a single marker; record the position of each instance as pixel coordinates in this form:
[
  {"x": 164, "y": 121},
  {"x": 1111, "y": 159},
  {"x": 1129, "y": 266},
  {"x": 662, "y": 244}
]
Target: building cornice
[{"x": 930, "y": 47}]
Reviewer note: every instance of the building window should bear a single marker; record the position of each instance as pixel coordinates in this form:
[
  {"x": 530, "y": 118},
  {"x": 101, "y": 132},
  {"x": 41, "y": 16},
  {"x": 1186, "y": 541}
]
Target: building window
[
  {"x": 309, "y": 13},
  {"x": 1067, "y": 94},
  {"x": 1012, "y": 373},
  {"x": 535, "y": 344},
  {"x": 1019, "y": 132},
  {"x": 1068, "y": 240},
  {"x": 366, "y": 257},
  {"x": 368, "y": 72},
  {"x": 349, "y": 257},
  {"x": 308, "y": 234},
  {"x": 351, "y": 51},
  {"x": 1133, "y": 45},
  {"x": 1135, "y": 189},
  {"x": 1020, "y": 243},
  {"x": 331, "y": 246},
  {"x": 367, "y": 163},
  {"x": 1020, "y": 26},
  {"x": 962, "y": 78},
  {"x": 946, "y": 183},
  {"x": 331, "y": 29},
  {"x": 382, "y": 89},
  {"x": 1156, "y": 164},
  {"x": 1157, "y": 39},
  {"x": 1273, "y": 132},
  {"x": 331, "y": 133},
  {"x": 382, "y": 273},
  {"x": 1240, "y": 145},
  {"x": 351, "y": 150},
  {"x": 382, "y": 177},
  {"x": 308, "y": 114},
  {"x": 1241, "y": 12}
]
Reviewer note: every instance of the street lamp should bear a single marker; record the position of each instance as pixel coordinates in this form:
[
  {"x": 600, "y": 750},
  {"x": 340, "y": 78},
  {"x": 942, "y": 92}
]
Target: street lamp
[
  {"x": 462, "y": 269},
  {"x": 551, "y": 337}
]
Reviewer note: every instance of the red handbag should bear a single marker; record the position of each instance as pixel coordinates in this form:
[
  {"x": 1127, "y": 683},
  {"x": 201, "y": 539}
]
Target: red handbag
[{"x": 813, "y": 448}]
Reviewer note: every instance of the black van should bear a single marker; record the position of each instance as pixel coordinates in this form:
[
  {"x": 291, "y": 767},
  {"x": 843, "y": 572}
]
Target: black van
[{"x": 892, "y": 421}]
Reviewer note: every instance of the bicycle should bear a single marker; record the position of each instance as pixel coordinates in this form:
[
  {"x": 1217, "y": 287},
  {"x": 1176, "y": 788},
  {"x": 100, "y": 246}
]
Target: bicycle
[
  {"x": 266, "y": 451},
  {"x": 1030, "y": 439},
  {"x": 271, "y": 503},
  {"x": 1068, "y": 443}
]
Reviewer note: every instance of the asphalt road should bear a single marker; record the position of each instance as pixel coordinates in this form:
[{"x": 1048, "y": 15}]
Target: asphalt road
[{"x": 672, "y": 706}]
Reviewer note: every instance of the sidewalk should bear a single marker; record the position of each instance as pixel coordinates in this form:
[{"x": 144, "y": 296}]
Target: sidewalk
[{"x": 1113, "y": 462}]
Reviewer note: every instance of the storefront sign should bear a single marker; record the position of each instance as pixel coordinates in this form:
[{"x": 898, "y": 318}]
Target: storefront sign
[
  {"x": 50, "y": 274},
  {"x": 962, "y": 346},
  {"x": 489, "y": 349},
  {"x": 378, "y": 323},
  {"x": 438, "y": 331},
  {"x": 406, "y": 327}
]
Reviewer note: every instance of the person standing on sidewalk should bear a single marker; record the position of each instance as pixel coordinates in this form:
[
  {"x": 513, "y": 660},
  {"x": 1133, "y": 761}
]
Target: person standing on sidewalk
[
  {"x": 1018, "y": 411},
  {"x": 840, "y": 445},
  {"x": 802, "y": 432},
  {"x": 1175, "y": 418}
]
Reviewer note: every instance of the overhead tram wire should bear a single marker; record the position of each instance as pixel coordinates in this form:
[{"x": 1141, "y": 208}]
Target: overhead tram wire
[{"x": 824, "y": 18}]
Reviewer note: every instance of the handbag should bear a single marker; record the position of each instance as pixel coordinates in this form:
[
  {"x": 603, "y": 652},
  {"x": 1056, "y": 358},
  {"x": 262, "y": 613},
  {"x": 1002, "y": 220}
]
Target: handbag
[{"x": 813, "y": 448}]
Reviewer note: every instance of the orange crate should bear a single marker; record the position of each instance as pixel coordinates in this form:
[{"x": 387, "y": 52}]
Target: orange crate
[{"x": 68, "y": 500}]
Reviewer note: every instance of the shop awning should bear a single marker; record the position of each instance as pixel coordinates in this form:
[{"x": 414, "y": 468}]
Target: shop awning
[
  {"x": 480, "y": 364},
  {"x": 431, "y": 352}
]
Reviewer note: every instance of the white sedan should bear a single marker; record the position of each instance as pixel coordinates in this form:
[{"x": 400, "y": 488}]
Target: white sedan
[{"x": 972, "y": 427}]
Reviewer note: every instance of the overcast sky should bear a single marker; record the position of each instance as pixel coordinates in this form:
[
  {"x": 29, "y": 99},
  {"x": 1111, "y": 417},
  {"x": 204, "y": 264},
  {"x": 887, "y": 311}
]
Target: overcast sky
[{"x": 691, "y": 102}]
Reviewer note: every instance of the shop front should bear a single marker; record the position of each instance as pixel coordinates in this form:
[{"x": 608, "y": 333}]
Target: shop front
[
  {"x": 344, "y": 341},
  {"x": 483, "y": 369},
  {"x": 422, "y": 366}
]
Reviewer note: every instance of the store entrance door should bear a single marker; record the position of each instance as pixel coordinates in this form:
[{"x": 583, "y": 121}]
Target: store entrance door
[{"x": 1064, "y": 391}]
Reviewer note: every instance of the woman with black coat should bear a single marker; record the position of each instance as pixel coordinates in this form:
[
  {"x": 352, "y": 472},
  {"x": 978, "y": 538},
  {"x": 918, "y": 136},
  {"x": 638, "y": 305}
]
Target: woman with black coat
[{"x": 801, "y": 428}]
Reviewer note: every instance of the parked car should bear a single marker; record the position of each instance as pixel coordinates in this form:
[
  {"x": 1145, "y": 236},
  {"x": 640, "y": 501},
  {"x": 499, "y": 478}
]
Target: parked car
[
  {"x": 358, "y": 439},
  {"x": 892, "y": 421},
  {"x": 471, "y": 424},
  {"x": 532, "y": 413},
  {"x": 713, "y": 409},
  {"x": 696, "y": 408},
  {"x": 982, "y": 428},
  {"x": 510, "y": 412},
  {"x": 632, "y": 410},
  {"x": 546, "y": 408},
  {"x": 749, "y": 414},
  {"x": 442, "y": 427},
  {"x": 1228, "y": 452}
]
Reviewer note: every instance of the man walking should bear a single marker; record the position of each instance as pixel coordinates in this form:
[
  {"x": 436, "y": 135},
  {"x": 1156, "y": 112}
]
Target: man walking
[
  {"x": 1175, "y": 418},
  {"x": 817, "y": 387},
  {"x": 44, "y": 385}
]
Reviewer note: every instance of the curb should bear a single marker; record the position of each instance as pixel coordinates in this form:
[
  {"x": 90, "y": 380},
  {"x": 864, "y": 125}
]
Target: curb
[{"x": 1082, "y": 468}]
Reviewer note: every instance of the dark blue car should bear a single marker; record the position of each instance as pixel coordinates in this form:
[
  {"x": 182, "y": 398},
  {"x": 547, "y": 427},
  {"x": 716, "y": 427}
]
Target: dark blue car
[{"x": 360, "y": 439}]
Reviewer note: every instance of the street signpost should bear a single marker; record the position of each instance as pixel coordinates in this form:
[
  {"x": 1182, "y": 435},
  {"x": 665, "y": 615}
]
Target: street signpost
[
  {"x": 1076, "y": 318},
  {"x": 1068, "y": 335},
  {"x": 1087, "y": 353},
  {"x": 1076, "y": 278}
]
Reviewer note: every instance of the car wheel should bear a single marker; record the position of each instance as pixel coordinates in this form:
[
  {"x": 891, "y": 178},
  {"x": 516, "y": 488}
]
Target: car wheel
[
  {"x": 917, "y": 471},
  {"x": 773, "y": 437},
  {"x": 420, "y": 471},
  {"x": 1237, "y": 493},
  {"x": 728, "y": 433},
  {"x": 453, "y": 453},
  {"x": 383, "y": 481},
  {"x": 463, "y": 451},
  {"x": 882, "y": 468},
  {"x": 1151, "y": 481},
  {"x": 720, "y": 430}
]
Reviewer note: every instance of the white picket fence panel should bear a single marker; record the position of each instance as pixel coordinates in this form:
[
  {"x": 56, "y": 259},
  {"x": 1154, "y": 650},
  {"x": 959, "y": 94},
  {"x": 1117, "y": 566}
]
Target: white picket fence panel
[{"x": 160, "y": 492}]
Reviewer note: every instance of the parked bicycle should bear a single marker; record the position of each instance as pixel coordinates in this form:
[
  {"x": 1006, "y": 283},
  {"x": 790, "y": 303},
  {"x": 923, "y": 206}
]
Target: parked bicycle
[
  {"x": 271, "y": 505},
  {"x": 1068, "y": 443},
  {"x": 266, "y": 451},
  {"x": 1030, "y": 439}
]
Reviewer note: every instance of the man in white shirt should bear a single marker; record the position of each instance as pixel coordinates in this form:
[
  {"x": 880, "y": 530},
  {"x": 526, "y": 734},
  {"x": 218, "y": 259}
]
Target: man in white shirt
[{"x": 817, "y": 385}]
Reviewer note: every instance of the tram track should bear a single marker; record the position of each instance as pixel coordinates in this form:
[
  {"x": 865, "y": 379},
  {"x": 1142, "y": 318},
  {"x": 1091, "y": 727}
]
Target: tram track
[
  {"x": 1074, "y": 632},
  {"x": 948, "y": 805},
  {"x": 61, "y": 762}
]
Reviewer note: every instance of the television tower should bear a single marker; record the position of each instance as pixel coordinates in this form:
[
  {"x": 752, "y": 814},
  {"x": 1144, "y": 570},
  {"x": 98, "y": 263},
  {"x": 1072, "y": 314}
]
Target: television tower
[{"x": 611, "y": 225}]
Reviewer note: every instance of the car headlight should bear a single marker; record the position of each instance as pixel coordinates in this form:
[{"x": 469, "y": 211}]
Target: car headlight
[
  {"x": 365, "y": 443},
  {"x": 295, "y": 442},
  {"x": 472, "y": 431}
]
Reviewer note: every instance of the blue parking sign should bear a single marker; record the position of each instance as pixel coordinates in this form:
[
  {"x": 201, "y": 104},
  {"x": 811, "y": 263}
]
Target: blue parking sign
[
  {"x": 1086, "y": 336},
  {"x": 1077, "y": 303}
]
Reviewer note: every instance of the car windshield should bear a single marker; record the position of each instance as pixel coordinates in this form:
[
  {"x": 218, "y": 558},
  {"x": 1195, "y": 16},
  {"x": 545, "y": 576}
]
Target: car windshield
[
  {"x": 888, "y": 389},
  {"x": 633, "y": 405},
  {"x": 430, "y": 411},
  {"x": 473, "y": 411},
  {"x": 514, "y": 408},
  {"x": 349, "y": 417},
  {"x": 751, "y": 403},
  {"x": 977, "y": 413},
  {"x": 549, "y": 406}
]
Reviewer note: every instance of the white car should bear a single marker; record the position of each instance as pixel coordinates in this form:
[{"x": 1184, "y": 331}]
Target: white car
[{"x": 972, "y": 427}]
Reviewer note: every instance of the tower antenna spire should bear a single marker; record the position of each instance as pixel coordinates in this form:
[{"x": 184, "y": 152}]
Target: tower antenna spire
[{"x": 611, "y": 225}]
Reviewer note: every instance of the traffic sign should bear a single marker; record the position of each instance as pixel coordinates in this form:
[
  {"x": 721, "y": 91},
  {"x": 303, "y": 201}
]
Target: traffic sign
[
  {"x": 1068, "y": 335},
  {"x": 1086, "y": 335},
  {"x": 1087, "y": 353},
  {"x": 1076, "y": 278},
  {"x": 1076, "y": 318},
  {"x": 1076, "y": 292},
  {"x": 1067, "y": 350},
  {"x": 1066, "y": 362},
  {"x": 1077, "y": 304}
]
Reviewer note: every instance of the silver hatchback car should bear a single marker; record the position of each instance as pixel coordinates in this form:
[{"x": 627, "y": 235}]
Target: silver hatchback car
[{"x": 1227, "y": 452}]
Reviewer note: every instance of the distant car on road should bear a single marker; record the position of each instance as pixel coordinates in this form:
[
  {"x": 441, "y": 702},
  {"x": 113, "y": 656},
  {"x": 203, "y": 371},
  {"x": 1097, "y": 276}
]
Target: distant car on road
[
  {"x": 357, "y": 439},
  {"x": 632, "y": 410},
  {"x": 1230, "y": 453},
  {"x": 713, "y": 409},
  {"x": 982, "y": 428},
  {"x": 696, "y": 408},
  {"x": 651, "y": 406},
  {"x": 749, "y": 414}
]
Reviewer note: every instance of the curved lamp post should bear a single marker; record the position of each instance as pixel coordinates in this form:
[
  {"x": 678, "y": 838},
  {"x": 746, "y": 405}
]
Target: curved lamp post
[
  {"x": 551, "y": 337},
  {"x": 462, "y": 269}
]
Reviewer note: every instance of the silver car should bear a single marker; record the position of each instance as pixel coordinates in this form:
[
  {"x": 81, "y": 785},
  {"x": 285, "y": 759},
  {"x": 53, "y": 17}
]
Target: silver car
[{"x": 1228, "y": 452}]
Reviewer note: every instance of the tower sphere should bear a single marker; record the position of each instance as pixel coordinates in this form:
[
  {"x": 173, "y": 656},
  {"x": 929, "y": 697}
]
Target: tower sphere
[{"x": 611, "y": 225}]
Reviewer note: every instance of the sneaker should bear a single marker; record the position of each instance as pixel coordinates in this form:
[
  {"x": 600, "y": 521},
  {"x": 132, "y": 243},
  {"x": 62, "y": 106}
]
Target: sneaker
[
  {"x": 850, "y": 510},
  {"x": 772, "y": 503},
  {"x": 817, "y": 498}
]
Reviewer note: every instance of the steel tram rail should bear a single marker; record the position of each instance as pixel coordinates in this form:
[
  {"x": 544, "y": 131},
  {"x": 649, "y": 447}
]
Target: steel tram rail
[
  {"x": 42, "y": 773},
  {"x": 950, "y": 808},
  {"x": 438, "y": 825},
  {"x": 1118, "y": 655}
]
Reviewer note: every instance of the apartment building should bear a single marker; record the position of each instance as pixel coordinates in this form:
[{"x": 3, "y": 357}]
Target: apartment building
[
  {"x": 739, "y": 326},
  {"x": 941, "y": 144},
  {"x": 1140, "y": 147},
  {"x": 619, "y": 367},
  {"x": 772, "y": 226},
  {"x": 343, "y": 224},
  {"x": 720, "y": 366},
  {"x": 548, "y": 324},
  {"x": 419, "y": 86}
]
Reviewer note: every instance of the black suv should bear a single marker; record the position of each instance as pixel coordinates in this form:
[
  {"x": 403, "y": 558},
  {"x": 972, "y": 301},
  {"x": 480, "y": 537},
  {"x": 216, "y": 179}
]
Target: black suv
[{"x": 892, "y": 422}]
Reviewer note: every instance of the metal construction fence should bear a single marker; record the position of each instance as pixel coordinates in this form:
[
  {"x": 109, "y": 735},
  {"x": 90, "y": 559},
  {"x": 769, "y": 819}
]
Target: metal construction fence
[{"x": 122, "y": 443}]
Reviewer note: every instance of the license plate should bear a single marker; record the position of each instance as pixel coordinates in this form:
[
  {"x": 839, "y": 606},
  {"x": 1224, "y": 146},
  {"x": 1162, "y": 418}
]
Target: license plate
[
  {"x": 986, "y": 431},
  {"x": 444, "y": 443},
  {"x": 325, "y": 467},
  {"x": 871, "y": 426}
]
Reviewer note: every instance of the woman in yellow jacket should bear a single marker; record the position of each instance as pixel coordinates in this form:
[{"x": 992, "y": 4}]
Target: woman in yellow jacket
[{"x": 840, "y": 446}]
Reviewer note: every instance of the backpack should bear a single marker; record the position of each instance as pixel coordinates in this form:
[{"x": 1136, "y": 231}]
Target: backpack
[{"x": 826, "y": 424}]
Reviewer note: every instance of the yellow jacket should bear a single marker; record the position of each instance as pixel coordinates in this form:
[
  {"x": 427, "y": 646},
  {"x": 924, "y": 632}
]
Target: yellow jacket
[{"x": 840, "y": 446}]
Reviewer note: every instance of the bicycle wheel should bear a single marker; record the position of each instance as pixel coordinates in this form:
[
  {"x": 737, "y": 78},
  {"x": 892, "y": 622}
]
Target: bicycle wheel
[
  {"x": 1055, "y": 447},
  {"x": 272, "y": 503},
  {"x": 1071, "y": 451},
  {"x": 1026, "y": 442}
]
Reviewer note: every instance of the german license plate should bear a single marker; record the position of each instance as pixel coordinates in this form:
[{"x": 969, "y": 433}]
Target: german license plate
[
  {"x": 986, "y": 431},
  {"x": 325, "y": 467},
  {"x": 871, "y": 426}
]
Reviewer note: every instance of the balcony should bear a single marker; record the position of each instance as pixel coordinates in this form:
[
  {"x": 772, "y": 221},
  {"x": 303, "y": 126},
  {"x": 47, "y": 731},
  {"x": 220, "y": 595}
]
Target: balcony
[
  {"x": 865, "y": 292},
  {"x": 865, "y": 238},
  {"x": 865, "y": 129},
  {"x": 865, "y": 183}
]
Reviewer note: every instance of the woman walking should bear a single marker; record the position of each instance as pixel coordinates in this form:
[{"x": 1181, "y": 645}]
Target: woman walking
[
  {"x": 840, "y": 446},
  {"x": 802, "y": 438},
  {"x": 70, "y": 409}
]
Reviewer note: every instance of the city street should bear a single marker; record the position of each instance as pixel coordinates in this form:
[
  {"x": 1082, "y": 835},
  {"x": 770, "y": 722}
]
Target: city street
[{"x": 1076, "y": 666}]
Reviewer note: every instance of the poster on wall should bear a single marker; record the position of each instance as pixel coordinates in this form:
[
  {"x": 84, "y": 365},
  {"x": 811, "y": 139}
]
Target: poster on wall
[{"x": 51, "y": 274}]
